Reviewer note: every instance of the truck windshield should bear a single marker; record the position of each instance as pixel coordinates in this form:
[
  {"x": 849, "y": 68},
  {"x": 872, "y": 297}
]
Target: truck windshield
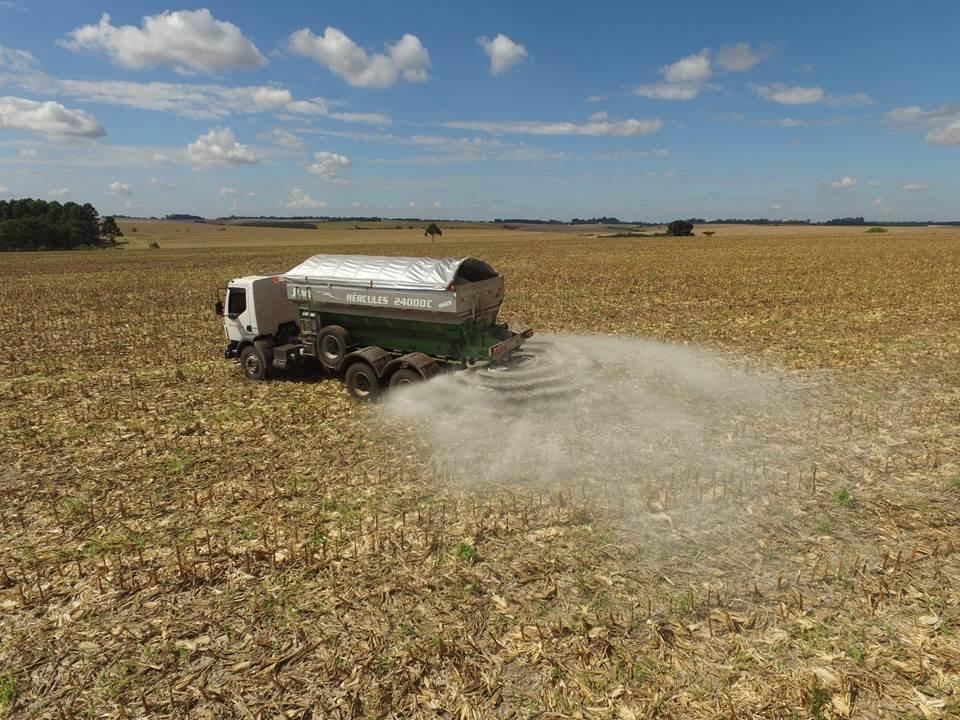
[{"x": 237, "y": 301}]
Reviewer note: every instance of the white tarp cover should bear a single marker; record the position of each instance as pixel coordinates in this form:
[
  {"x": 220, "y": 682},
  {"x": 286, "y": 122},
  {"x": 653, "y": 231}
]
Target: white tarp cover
[{"x": 374, "y": 271}]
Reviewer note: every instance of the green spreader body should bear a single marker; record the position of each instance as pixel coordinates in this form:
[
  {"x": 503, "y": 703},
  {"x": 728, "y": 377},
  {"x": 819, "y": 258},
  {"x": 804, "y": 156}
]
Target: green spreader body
[{"x": 444, "y": 308}]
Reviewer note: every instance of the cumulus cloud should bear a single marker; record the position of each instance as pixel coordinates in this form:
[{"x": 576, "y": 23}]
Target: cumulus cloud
[
  {"x": 740, "y": 57},
  {"x": 406, "y": 59},
  {"x": 3, "y": 188},
  {"x": 844, "y": 183},
  {"x": 595, "y": 126},
  {"x": 47, "y": 118},
  {"x": 948, "y": 134},
  {"x": 682, "y": 80},
  {"x": 299, "y": 200},
  {"x": 942, "y": 123},
  {"x": 227, "y": 191},
  {"x": 219, "y": 147},
  {"x": 328, "y": 164},
  {"x": 284, "y": 138},
  {"x": 915, "y": 187},
  {"x": 196, "y": 100},
  {"x": 797, "y": 95},
  {"x": 59, "y": 192},
  {"x": 161, "y": 183},
  {"x": 187, "y": 40},
  {"x": 503, "y": 52},
  {"x": 691, "y": 69},
  {"x": 119, "y": 188}
]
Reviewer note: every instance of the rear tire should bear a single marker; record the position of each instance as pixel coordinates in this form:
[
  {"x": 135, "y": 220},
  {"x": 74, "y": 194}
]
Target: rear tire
[
  {"x": 362, "y": 381},
  {"x": 404, "y": 377},
  {"x": 253, "y": 363},
  {"x": 332, "y": 346}
]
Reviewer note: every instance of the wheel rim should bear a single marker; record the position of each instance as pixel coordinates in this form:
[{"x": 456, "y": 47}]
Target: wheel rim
[
  {"x": 404, "y": 381},
  {"x": 330, "y": 348},
  {"x": 362, "y": 384},
  {"x": 252, "y": 364}
]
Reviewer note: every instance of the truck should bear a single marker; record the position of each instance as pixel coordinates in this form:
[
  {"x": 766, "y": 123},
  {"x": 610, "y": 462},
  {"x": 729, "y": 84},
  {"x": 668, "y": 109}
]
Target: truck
[{"x": 380, "y": 321}]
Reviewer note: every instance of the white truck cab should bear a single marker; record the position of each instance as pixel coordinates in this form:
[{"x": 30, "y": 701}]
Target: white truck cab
[
  {"x": 255, "y": 305},
  {"x": 257, "y": 318}
]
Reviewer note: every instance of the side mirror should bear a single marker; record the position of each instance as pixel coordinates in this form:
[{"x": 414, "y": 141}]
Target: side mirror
[
  {"x": 218, "y": 308},
  {"x": 233, "y": 316}
]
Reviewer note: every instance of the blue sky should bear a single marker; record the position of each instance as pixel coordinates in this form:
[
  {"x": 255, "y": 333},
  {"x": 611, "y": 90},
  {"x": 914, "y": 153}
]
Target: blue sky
[{"x": 482, "y": 110}]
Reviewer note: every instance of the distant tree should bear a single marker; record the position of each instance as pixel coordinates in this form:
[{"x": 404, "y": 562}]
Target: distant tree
[
  {"x": 110, "y": 230},
  {"x": 679, "y": 228},
  {"x": 28, "y": 224},
  {"x": 432, "y": 230}
]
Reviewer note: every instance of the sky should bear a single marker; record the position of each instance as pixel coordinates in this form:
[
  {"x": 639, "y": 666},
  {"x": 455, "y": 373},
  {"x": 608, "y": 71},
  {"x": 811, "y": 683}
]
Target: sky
[{"x": 500, "y": 109}]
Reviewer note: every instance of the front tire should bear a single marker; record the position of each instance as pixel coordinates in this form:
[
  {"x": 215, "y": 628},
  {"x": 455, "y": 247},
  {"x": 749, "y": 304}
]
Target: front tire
[
  {"x": 332, "y": 346},
  {"x": 362, "y": 381},
  {"x": 253, "y": 364}
]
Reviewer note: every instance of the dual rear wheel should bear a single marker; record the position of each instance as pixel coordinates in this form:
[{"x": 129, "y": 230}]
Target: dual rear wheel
[{"x": 362, "y": 381}]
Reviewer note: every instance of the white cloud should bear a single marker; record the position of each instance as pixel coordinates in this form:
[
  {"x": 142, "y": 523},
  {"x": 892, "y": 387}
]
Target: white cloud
[
  {"x": 876, "y": 183},
  {"x": 284, "y": 138},
  {"x": 948, "y": 134},
  {"x": 28, "y": 153},
  {"x": 796, "y": 95},
  {"x": 854, "y": 99},
  {"x": 617, "y": 128},
  {"x": 299, "y": 200},
  {"x": 197, "y": 100},
  {"x": 915, "y": 187},
  {"x": 227, "y": 191},
  {"x": 119, "y": 188},
  {"x": 47, "y": 118},
  {"x": 942, "y": 123},
  {"x": 407, "y": 58},
  {"x": 219, "y": 147},
  {"x": 668, "y": 91},
  {"x": 844, "y": 183},
  {"x": 3, "y": 188},
  {"x": 740, "y": 57},
  {"x": 683, "y": 80},
  {"x": 186, "y": 40},
  {"x": 328, "y": 164},
  {"x": 877, "y": 202},
  {"x": 59, "y": 192},
  {"x": 18, "y": 60},
  {"x": 503, "y": 52},
  {"x": 160, "y": 183},
  {"x": 691, "y": 69},
  {"x": 777, "y": 206},
  {"x": 785, "y": 95}
]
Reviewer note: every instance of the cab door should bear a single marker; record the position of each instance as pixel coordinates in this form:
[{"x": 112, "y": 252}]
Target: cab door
[{"x": 236, "y": 318}]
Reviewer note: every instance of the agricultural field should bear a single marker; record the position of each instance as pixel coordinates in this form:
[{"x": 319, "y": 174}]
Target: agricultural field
[{"x": 180, "y": 542}]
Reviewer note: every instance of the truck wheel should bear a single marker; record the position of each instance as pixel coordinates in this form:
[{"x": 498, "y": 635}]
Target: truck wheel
[
  {"x": 253, "y": 364},
  {"x": 404, "y": 377},
  {"x": 362, "y": 382},
  {"x": 332, "y": 346}
]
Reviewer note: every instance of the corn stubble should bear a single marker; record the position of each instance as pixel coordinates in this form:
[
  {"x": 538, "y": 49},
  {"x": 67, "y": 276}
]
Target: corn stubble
[{"x": 178, "y": 542}]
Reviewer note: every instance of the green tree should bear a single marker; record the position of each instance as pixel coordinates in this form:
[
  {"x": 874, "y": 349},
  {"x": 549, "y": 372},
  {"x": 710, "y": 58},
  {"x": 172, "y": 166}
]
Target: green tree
[
  {"x": 432, "y": 230},
  {"x": 679, "y": 228},
  {"x": 110, "y": 230}
]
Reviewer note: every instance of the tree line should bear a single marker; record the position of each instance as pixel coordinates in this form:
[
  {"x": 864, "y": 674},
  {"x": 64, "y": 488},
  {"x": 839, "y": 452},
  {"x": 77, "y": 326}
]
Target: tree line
[{"x": 29, "y": 224}]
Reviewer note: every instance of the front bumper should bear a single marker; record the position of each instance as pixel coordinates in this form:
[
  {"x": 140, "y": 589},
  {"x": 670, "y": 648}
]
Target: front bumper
[{"x": 230, "y": 352}]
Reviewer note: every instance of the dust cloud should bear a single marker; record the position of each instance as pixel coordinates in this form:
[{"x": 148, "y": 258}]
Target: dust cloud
[{"x": 655, "y": 425}]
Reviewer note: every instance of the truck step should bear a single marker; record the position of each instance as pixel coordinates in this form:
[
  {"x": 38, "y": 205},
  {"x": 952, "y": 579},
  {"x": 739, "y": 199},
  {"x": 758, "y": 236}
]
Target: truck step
[{"x": 286, "y": 356}]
